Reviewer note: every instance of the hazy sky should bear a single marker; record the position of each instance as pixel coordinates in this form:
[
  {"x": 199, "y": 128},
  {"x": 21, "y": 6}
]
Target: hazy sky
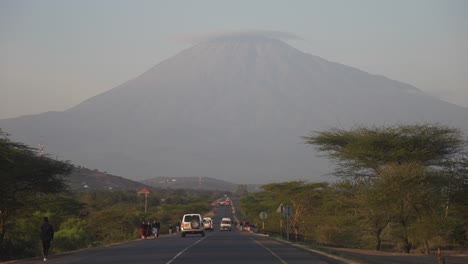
[{"x": 55, "y": 54}]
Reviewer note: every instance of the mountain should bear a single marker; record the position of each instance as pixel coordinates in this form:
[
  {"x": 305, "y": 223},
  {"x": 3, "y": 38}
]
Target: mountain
[
  {"x": 231, "y": 108},
  {"x": 82, "y": 179},
  {"x": 197, "y": 183}
]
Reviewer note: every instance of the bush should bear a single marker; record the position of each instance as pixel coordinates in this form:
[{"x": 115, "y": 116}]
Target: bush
[{"x": 73, "y": 234}]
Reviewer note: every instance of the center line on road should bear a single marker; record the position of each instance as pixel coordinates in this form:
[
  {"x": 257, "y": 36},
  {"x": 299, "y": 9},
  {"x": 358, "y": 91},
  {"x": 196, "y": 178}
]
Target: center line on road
[
  {"x": 273, "y": 253},
  {"x": 185, "y": 249}
]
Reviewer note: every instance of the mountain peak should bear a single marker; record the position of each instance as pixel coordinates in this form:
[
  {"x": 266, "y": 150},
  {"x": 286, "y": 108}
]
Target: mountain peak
[
  {"x": 238, "y": 35},
  {"x": 234, "y": 107},
  {"x": 243, "y": 37}
]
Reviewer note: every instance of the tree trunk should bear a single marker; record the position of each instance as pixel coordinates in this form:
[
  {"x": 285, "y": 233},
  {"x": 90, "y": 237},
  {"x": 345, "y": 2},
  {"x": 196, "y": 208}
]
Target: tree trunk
[
  {"x": 4, "y": 228},
  {"x": 296, "y": 232},
  {"x": 377, "y": 234},
  {"x": 407, "y": 245},
  {"x": 440, "y": 259},
  {"x": 2, "y": 235},
  {"x": 427, "y": 248},
  {"x": 378, "y": 240}
]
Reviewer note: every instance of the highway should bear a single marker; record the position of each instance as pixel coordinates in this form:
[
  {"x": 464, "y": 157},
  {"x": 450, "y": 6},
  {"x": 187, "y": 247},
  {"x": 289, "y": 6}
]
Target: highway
[{"x": 216, "y": 247}]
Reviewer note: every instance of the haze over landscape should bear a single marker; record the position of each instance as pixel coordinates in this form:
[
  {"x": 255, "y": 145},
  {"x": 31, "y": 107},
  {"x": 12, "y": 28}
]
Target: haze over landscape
[{"x": 232, "y": 105}]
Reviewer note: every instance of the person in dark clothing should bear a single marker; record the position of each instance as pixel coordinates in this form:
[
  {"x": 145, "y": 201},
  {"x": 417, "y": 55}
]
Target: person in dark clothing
[
  {"x": 148, "y": 230},
  {"x": 144, "y": 230},
  {"x": 157, "y": 225},
  {"x": 47, "y": 235}
]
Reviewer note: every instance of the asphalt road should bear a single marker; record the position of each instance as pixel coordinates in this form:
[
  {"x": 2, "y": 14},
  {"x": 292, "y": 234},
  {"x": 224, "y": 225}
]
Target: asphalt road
[{"x": 216, "y": 247}]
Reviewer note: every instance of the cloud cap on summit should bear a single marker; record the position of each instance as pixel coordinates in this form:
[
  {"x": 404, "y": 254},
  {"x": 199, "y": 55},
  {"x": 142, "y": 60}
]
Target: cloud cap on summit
[{"x": 207, "y": 36}]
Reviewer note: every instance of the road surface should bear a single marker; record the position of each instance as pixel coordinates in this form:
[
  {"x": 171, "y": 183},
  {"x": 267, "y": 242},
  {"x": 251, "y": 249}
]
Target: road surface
[
  {"x": 216, "y": 247},
  {"x": 223, "y": 247}
]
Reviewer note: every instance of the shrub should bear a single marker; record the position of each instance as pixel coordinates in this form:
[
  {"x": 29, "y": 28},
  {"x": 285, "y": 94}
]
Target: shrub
[{"x": 73, "y": 234}]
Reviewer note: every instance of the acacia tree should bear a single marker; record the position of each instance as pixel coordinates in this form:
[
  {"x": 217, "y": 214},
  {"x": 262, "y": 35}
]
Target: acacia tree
[
  {"x": 252, "y": 204},
  {"x": 363, "y": 155},
  {"x": 373, "y": 209},
  {"x": 365, "y": 151},
  {"x": 456, "y": 175},
  {"x": 414, "y": 202},
  {"x": 303, "y": 199},
  {"x": 24, "y": 175}
]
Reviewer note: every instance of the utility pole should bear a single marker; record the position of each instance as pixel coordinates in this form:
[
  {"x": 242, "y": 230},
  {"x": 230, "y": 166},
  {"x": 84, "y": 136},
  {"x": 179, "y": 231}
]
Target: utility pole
[
  {"x": 287, "y": 222},
  {"x": 146, "y": 201},
  {"x": 146, "y": 192},
  {"x": 41, "y": 149},
  {"x": 285, "y": 211},
  {"x": 280, "y": 211}
]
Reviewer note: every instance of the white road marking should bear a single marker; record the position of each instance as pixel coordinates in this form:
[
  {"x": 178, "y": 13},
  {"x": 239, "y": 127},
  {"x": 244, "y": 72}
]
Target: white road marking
[
  {"x": 185, "y": 249},
  {"x": 273, "y": 253}
]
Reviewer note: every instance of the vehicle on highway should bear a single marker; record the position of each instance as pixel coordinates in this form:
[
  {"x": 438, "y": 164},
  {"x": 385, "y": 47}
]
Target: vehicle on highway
[
  {"x": 208, "y": 223},
  {"x": 225, "y": 224},
  {"x": 192, "y": 224}
]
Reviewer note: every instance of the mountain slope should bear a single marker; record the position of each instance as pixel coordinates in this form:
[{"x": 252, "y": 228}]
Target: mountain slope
[
  {"x": 232, "y": 108},
  {"x": 197, "y": 183},
  {"x": 82, "y": 179}
]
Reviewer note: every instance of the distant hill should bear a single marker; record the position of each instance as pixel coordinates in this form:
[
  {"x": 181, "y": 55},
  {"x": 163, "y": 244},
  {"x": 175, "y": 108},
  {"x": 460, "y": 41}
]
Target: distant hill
[
  {"x": 196, "y": 183},
  {"x": 82, "y": 179}
]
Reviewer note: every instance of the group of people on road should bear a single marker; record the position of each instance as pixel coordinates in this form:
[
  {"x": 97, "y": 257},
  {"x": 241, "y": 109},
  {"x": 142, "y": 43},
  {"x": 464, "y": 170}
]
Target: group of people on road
[
  {"x": 177, "y": 228},
  {"x": 150, "y": 229},
  {"x": 147, "y": 230}
]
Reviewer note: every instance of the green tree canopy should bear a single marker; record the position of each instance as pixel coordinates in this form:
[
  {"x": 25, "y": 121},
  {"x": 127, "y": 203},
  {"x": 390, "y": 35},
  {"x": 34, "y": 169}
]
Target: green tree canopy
[
  {"x": 23, "y": 175},
  {"x": 405, "y": 174},
  {"x": 367, "y": 150}
]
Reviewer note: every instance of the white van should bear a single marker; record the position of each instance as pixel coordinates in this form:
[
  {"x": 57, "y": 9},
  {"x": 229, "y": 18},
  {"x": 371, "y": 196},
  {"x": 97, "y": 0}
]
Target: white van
[
  {"x": 208, "y": 223},
  {"x": 225, "y": 224},
  {"x": 192, "y": 224}
]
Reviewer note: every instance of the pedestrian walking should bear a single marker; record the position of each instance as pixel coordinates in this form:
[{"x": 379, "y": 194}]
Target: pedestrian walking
[
  {"x": 148, "y": 229},
  {"x": 142, "y": 230},
  {"x": 170, "y": 229},
  {"x": 47, "y": 235},
  {"x": 154, "y": 230},
  {"x": 157, "y": 225}
]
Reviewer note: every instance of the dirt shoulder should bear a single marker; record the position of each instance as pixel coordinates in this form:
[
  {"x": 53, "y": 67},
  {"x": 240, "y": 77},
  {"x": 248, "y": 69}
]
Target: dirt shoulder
[{"x": 379, "y": 257}]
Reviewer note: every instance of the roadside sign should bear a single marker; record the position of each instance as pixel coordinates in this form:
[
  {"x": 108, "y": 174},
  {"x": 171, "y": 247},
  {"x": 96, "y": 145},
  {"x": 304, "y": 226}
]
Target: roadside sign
[
  {"x": 286, "y": 211},
  {"x": 280, "y": 208},
  {"x": 263, "y": 215}
]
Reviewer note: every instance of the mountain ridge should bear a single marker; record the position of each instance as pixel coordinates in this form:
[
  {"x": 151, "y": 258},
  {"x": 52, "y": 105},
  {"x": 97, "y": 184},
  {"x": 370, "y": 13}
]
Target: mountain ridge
[
  {"x": 84, "y": 180},
  {"x": 196, "y": 183},
  {"x": 228, "y": 109}
]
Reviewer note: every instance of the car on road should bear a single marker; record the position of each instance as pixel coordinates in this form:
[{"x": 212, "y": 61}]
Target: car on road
[
  {"x": 192, "y": 224},
  {"x": 208, "y": 223},
  {"x": 225, "y": 224}
]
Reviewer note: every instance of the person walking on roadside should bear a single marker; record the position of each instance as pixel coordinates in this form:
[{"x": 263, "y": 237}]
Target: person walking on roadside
[
  {"x": 142, "y": 230},
  {"x": 148, "y": 230},
  {"x": 47, "y": 235},
  {"x": 157, "y": 225},
  {"x": 154, "y": 230}
]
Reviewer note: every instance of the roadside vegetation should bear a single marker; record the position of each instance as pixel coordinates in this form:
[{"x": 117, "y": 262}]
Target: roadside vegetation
[
  {"x": 399, "y": 188},
  {"x": 33, "y": 186}
]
